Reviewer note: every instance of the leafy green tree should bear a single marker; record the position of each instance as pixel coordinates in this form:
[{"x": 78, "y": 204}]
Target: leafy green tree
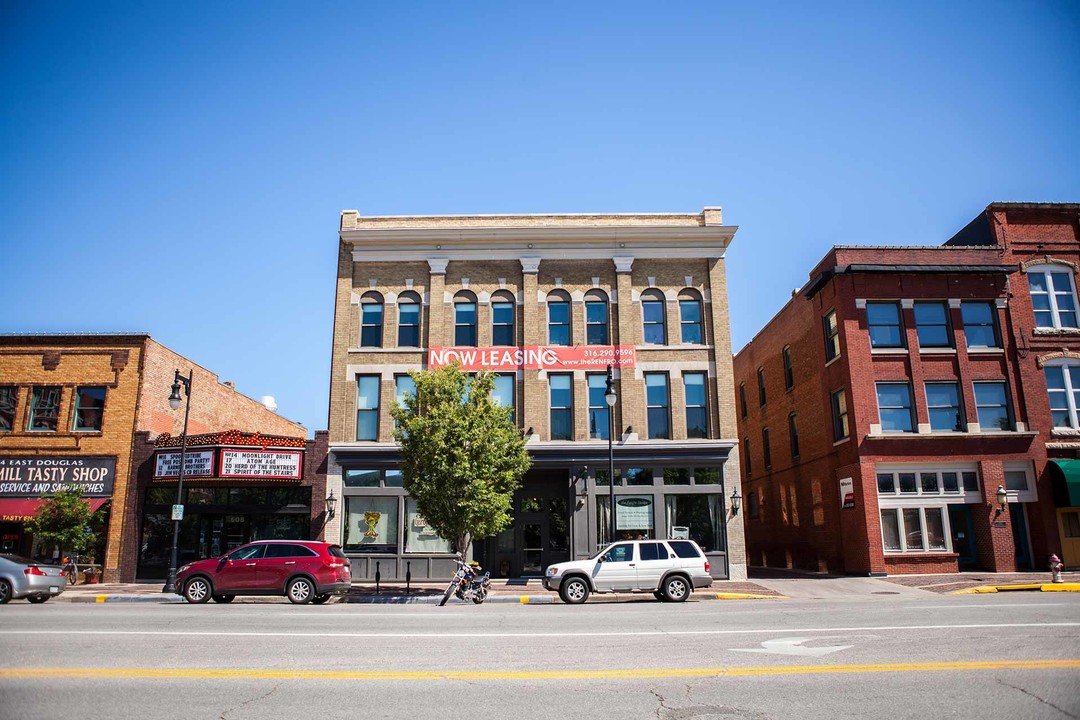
[
  {"x": 462, "y": 455},
  {"x": 63, "y": 519}
]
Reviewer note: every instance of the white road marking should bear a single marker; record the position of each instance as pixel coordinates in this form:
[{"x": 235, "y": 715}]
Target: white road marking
[
  {"x": 541, "y": 635},
  {"x": 793, "y": 646}
]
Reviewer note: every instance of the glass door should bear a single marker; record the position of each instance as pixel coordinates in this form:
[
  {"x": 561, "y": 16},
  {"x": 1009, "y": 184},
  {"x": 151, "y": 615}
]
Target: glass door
[
  {"x": 963, "y": 535},
  {"x": 532, "y": 548}
]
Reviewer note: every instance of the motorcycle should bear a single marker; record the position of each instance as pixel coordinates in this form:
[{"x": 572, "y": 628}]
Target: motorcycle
[{"x": 468, "y": 583}]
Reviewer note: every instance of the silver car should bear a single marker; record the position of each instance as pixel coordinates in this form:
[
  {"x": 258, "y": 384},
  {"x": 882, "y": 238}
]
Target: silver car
[
  {"x": 24, "y": 578},
  {"x": 670, "y": 569}
]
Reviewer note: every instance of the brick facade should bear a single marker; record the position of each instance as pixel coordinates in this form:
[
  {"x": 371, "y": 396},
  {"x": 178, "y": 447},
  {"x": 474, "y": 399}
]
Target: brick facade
[
  {"x": 137, "y": 373},
  {"x": 799, "y": 522},
  {"x": 530, "y": 259}
]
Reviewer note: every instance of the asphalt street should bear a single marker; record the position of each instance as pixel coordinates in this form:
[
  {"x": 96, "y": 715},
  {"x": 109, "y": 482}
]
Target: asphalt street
[{"x": 1009, "y": 655}]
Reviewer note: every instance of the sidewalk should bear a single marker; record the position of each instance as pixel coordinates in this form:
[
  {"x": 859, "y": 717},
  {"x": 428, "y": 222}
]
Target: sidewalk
[
  {"x": 502, "y": 591},
  {"x": 800, "y": 584}
]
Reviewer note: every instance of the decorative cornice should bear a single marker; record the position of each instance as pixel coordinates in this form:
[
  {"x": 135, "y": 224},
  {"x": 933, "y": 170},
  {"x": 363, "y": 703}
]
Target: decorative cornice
[
  {"x": 1063, "y": 354},
  {"x": 437, "y": 265},
  {"x": 1047, "y": 260},
  {"x": 623, "y": 263}
]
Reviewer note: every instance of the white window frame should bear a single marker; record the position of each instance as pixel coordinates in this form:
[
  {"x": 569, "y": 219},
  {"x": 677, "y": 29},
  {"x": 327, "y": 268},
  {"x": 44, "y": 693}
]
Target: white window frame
[
  {"x": 896, "y": 498},
  {"x": 1031, "y": 493},
  {"x": 1046, "y": 271},
  {"x": 902, "y": 530},
  {"x": 1070, "y": 402}
]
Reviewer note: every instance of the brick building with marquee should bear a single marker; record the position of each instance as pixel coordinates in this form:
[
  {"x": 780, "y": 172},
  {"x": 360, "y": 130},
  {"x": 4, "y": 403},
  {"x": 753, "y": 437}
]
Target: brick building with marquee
[
  {"x": 75, "y": 410},
  {"x": 546, "y": 302}
]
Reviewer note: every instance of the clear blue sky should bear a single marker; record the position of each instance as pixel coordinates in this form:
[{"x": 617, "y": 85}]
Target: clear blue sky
[{"x": 179, "y": 168}]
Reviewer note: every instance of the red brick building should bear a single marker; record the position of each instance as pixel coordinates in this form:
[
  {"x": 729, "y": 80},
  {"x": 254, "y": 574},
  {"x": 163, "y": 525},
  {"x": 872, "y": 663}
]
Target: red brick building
[
  {"x": 72, "y": 410},
  {"x": 912, "y": 409}
]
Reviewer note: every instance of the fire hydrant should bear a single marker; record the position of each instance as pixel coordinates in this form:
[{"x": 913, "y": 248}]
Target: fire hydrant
[{"x": 1055, "y": 569}]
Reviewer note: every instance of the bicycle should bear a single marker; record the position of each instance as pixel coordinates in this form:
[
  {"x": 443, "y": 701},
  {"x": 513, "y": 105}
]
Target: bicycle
[{"x": 71, "y": 569}]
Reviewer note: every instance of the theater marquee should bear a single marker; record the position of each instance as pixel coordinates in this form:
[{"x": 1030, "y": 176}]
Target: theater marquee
[{"x": 535, "y": 357}]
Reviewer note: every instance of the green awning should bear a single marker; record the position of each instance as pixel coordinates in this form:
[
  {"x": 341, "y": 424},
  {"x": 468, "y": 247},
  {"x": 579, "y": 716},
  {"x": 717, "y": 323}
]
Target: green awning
[{"x": 1066, "y": 474}]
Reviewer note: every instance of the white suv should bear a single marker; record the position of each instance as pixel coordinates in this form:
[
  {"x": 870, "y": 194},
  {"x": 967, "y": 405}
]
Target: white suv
[{"x": 670, "y": 569}]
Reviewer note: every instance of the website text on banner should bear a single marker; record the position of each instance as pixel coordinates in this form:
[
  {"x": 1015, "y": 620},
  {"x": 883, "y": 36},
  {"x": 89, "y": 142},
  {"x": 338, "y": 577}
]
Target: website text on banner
[{"x": 535, "y": 357}]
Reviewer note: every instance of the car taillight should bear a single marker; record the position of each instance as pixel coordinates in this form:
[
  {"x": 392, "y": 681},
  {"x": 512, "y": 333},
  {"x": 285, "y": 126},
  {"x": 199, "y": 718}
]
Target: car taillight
[
  {"x": 334, "y": 564},
  {"x": 34, "y": 570},
  {"x": 706, "y": 566}
]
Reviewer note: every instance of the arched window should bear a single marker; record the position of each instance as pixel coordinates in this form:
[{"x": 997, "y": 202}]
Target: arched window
[
  {"x": 596, "y": 318},
  {"x": 408, "y": 333},
  {"x": 371, "y": 317},
  {"x": 558, "y": 303},
  {"x": 690, "y": 316},
  {"x": 653, "y": 314},
  {"x": 465, "y": 319},
  {"x": 502, "y": 318}
]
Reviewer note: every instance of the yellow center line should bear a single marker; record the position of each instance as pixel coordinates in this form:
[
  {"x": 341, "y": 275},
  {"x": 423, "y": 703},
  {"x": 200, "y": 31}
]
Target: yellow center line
[{"x": 254, "y": 674}]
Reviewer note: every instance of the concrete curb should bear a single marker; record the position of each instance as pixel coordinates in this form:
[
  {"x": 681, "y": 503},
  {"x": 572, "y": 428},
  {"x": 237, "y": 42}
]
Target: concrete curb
[
  {"x": 1041, "y": 587},
  {"x": 413, "y": 600}
]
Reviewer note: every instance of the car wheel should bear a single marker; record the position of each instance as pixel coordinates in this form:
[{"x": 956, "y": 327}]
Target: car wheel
[
  {"x": 676, "y": 588},
  {"x": 574, "y": 591},
  {"x": 300, "y": 591},
  {"x": 37, "y": 599},
  {"x": 197, "y": 590},
  {"x": 5, "y": 591},
  {"x": 223, "y": 598},
  {"x": 319, "y": 599}
]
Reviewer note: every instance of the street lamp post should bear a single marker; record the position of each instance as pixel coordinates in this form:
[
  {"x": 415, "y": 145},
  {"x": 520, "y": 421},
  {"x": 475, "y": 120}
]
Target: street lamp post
[
  {"x": 174, "y": 403},
  {"x": 610, "y": 397}
]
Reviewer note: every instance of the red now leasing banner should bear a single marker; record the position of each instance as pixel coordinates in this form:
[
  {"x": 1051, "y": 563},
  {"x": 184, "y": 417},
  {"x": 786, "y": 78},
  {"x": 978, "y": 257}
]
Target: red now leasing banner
[{"x": 535, "y": 357}]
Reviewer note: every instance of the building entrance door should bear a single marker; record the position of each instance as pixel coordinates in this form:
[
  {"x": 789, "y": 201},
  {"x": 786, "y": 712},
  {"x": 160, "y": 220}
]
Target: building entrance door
[
  {"x": 1069, "y": 527},
  {"x": 542, "y": 527},
  {"x": 963, "y": 534}
]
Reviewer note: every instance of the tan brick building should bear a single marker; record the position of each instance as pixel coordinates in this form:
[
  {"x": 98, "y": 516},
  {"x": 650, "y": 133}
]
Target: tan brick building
[
  {"x": 70, "y": 407},
  {"x": 546, "y": 301}
]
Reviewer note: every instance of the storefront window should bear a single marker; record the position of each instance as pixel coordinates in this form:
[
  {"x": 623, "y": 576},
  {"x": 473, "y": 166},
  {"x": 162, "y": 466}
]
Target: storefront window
[
  {"x": 603, "y": 520},
  {"x": 362, "y": 478},
  {"x": 697, "y": 518},
  {"x": 634, "y": 517},
  {"x": 371, "y": 524},
  {"x": 890, "y": 530},
  {"x": 707, "y": 476},
  {"x": 676, "y": 476},
  {"x": 638, "y": 476},
  {"x": 247, "y": 496},
  {"x": 419, "y": 537},
  {"x": 392, "y": 478}
]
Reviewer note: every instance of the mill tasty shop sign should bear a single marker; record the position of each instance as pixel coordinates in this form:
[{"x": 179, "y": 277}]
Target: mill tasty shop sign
[
  {"x": 38, "y": 476},
  {"x": 535, "y": 357}
]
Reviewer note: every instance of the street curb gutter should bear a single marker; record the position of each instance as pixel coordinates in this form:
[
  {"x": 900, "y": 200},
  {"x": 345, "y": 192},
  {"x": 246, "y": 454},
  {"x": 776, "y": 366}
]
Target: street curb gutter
[
  {"x": 425, "y": 600},
  {"x": 1045, "y": 587}
]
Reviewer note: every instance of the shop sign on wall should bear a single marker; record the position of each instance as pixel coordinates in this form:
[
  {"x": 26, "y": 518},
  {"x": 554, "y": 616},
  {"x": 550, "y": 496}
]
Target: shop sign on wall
[
  {"x": 196, "y": 464},
  {"x": 535, "y": 357},
  {"x": 260, "y": 464},
  {"x": 847, "y": 493},
  {"x": 38, "y": 476}
]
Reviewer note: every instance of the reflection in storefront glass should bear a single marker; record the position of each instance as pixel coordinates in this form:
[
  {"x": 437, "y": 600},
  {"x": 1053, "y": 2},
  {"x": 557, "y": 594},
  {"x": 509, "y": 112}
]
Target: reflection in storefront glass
[{"x": 700, "y": 514}]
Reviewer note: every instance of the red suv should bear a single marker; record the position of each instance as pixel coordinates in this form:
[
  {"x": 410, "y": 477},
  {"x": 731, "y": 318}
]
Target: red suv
[{"x": 302, "y": 570}]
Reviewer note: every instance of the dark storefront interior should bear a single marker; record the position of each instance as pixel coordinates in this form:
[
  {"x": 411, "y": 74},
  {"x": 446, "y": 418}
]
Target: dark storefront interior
[{"x": 218, "y": 519}]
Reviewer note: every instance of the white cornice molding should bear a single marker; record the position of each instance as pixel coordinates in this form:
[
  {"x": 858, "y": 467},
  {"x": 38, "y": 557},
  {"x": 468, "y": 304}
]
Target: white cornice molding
[
  {"x": 548, "y": 243},
  {"x": 437, "y": 265}
]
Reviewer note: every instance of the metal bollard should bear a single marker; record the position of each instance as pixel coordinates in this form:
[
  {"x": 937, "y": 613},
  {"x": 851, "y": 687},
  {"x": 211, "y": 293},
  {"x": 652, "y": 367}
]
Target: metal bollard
[
  {"x": 408, "y": 576},
  {"x": 378, "y": 577}
]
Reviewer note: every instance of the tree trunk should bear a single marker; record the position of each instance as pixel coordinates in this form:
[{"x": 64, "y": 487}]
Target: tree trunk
[{"x": 462, "y": 544}]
